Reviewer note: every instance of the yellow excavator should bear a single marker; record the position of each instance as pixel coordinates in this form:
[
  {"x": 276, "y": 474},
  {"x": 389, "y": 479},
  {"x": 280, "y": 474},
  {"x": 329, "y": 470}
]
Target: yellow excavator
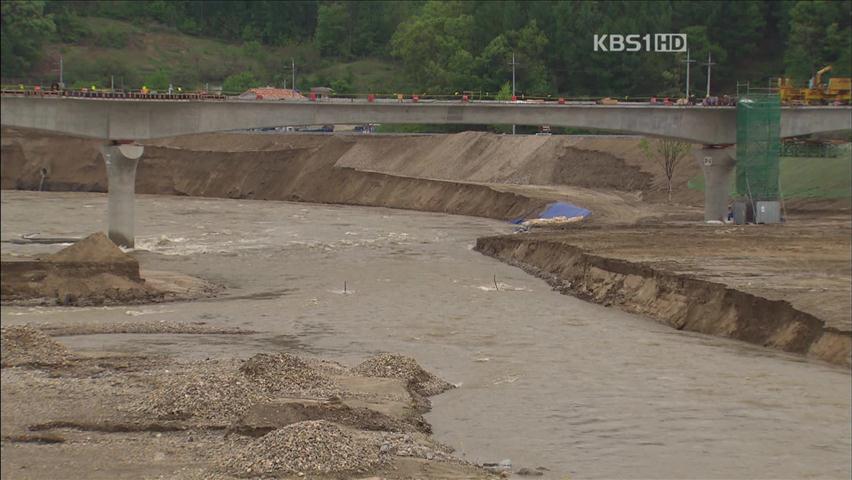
[{"x": 838, "y": 90}]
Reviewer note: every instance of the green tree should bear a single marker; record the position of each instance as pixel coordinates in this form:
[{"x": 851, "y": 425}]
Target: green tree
[
  {"x": 70, "y": 28},
  {"x": 505, "y": 92},
  {"x": 820, "y": 34},
  {"x": 25, "y": 28},
  {"x": 700, "y": 46},
  {"x": 433, "y": 46},
  {"x": 332, "y": 30},
  {"x": 239, "y": 82},
  {"x": 159, "y": 81}
]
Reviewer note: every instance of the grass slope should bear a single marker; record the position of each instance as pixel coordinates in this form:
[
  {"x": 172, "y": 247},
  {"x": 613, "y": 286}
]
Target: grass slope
[
  {"x": 136, "y": 54},
  {"x": 810, "y": 178}
]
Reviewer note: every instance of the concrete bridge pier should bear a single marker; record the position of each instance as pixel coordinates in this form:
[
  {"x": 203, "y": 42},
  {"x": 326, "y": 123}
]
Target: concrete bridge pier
[
  {"x": 718, "y": 163},
  {"x": 121, "y": 160}
]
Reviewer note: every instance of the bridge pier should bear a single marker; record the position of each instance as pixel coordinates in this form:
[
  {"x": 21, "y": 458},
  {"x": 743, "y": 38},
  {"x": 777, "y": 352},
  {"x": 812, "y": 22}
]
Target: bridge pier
[
  {"x": 121, "y": 160},
  {"x": 717, "y": 163}
]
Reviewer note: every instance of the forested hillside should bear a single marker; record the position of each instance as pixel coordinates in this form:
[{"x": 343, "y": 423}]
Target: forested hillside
[{"x": 421, "y": 46}]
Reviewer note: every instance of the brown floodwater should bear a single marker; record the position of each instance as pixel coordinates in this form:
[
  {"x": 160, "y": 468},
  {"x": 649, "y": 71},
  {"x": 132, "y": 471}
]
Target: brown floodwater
[{"x": 545, "y": 379}]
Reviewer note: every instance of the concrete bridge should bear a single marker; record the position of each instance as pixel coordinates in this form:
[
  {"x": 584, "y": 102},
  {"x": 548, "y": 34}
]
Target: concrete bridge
[{"x": 120, "y": 122}]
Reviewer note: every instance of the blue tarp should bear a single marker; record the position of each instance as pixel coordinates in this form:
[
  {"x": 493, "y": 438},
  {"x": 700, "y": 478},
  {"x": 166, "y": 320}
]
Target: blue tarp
[{"x": 559, "y": 209}]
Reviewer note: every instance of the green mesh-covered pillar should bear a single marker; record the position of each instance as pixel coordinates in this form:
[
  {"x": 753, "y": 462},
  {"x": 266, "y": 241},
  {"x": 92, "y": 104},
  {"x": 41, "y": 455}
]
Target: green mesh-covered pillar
[{"x": 758, "y": 147}]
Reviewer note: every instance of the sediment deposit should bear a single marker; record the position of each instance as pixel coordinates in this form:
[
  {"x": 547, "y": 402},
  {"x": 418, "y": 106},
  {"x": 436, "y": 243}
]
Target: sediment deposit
[
  {"x": 92, "y": 271},
  {"x": 199, "y": 410}
]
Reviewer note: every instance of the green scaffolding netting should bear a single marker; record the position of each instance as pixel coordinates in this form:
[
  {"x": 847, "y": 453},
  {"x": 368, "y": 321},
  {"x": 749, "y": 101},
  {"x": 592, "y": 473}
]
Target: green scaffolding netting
[{"x": 758, "y": 146}]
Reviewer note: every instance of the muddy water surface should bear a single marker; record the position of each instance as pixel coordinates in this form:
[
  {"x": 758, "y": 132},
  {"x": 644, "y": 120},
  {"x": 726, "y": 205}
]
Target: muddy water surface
[{"x": 545, "y": 379}]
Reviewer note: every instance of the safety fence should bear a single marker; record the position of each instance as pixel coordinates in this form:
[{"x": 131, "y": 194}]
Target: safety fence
[{"x": 758, "y": 146}]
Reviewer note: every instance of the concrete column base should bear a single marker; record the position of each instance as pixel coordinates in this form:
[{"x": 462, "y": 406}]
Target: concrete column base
[
  {"x": 121, "y": 163},
  {"x": 718, "y": 166}
]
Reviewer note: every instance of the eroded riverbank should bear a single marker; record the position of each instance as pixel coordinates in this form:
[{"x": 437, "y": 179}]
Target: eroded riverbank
[
  {"x": 546, "y": 379},
  {"x": 784, "y": 287}
]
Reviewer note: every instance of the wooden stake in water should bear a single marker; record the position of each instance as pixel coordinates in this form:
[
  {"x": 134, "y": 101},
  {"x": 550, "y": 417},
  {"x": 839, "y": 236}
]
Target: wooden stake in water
[
  {"x": 344, "y": 286},
  {"x": 495, "y": 284}
]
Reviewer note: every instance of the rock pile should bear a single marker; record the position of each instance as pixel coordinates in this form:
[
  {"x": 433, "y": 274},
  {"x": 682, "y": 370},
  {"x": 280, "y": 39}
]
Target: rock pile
[
  {"x": 312, "y": 447},
  {"x": 206, "y": 390},
  {"x": 221, "y": 393},
  {"x": 24, "y": 345},
  {"x": 414, "y": 445},
  {"x": 285, "y": 373},
  {"x": 393, "y": 365}
]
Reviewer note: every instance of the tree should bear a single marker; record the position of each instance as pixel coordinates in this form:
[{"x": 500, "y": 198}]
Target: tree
[
  {"x": 25, "y": 28},
  {"x": 159, "y": 81},
  {"x": 239, "y": 82},
  {"x": 434, "y": 46},
  {"x": 699, "y": 47},
  {"x": 820, "y": 34},
  {"x": 668, "y": 152},
  {"x": 505, "y": 92},
  {"x": 332, "y": 29}
]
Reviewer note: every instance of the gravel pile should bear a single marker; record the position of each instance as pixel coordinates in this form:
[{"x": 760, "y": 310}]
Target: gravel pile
[
  {"x": 313, "y": 447},
  {"x": 414, "y": 445},
  {"x": 153, "y": 326},
  {"x": 393, "y": 365},
  {"x": 285, "y": 373},
  {"x": 24, "y": 345},
  {"x": 220, "y": 393},
  {"x": 210, "y": 390}
]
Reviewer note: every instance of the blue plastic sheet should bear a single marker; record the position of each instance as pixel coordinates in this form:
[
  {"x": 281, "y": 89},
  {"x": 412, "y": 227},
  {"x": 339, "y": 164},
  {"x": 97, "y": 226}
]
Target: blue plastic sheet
[
  {"x": 559, "y": 209},
  {"x": 562, "y": 209}
]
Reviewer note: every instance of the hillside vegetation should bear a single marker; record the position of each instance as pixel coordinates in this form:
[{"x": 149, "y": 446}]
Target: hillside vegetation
[{"x": 435, "y": 47}]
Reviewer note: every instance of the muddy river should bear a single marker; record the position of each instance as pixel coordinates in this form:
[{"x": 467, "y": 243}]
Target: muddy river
[{"x": 545, "y": 379}]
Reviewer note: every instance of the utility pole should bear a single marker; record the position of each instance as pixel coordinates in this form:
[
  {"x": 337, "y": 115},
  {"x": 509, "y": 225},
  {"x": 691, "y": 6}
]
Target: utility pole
[
  {"x": 709, "y": 65},
  {"x": 61, "y": 73},
  {"x": 687, "y": 62},
  {"x": 513, "y": 83},
  {"x": 293, "y": 67}
]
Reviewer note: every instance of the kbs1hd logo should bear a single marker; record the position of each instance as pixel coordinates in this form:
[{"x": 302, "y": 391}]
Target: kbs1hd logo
[{"x": 650, "y": 42}]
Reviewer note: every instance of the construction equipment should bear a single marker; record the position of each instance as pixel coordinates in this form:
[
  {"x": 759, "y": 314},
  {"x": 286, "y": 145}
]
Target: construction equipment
[{"x": 837, "y": 90}]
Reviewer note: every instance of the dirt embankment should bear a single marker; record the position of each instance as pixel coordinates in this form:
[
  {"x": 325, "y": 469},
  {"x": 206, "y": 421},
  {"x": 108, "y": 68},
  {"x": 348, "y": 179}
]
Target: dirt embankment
[
  {"x": 473, "y": 173},
  {"x": 93, "y": 271},
  {"x": 263, "y": 167},
  {"x": 619, "y": 268}
]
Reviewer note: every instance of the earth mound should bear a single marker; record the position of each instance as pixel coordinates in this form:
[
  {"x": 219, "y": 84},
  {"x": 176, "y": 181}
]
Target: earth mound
[
  {"x": 207, "y": 391},
  {"x": 93, "y": 271},
  {"x": 392, "y": 365},
  {"x": 311, "y": 447},
  {"x": 96, "y": 248},
  {"x": 282, "y": 372},
  {"x": 23, "y": 345}
]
